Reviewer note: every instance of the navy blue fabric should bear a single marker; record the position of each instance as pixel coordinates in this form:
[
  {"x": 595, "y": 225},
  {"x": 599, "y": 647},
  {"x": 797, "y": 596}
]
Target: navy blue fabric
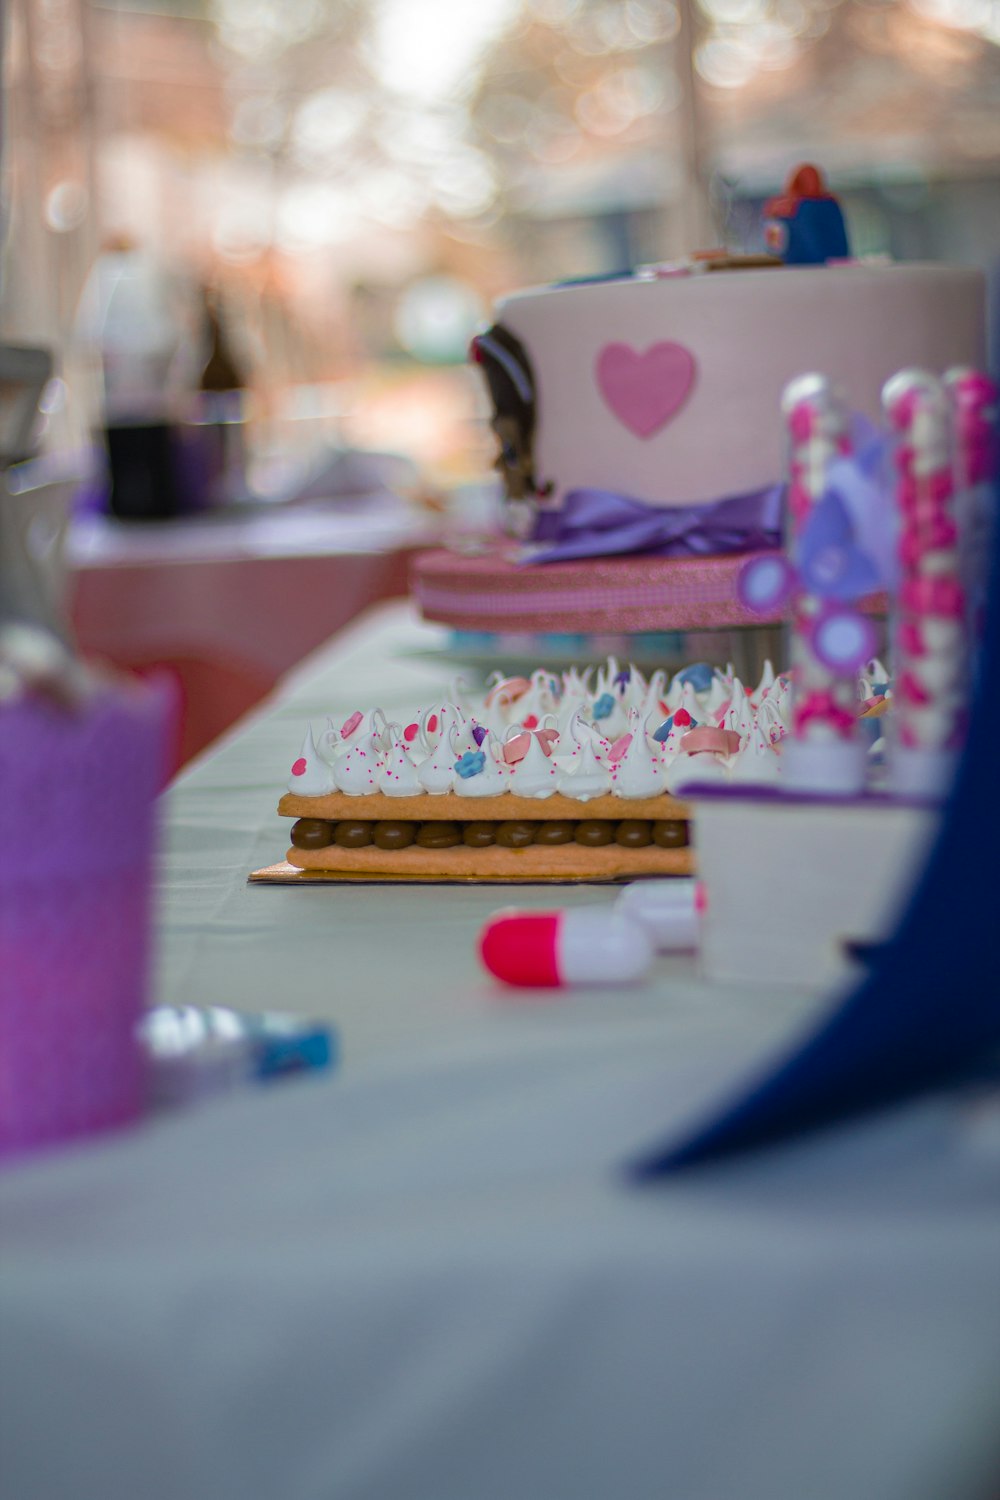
[{"x": 929, "y": 1010}]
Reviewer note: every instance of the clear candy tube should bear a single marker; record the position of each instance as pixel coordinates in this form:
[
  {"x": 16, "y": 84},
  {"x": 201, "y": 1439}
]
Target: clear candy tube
[
  {"x": 973, "y": 398},
  {"x": 824, "y": 752},
  {"x": 930, "y": 667}
]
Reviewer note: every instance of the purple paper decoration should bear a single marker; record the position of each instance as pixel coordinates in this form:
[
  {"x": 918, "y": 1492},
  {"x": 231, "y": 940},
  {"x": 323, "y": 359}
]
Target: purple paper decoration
[
  {"x": 843, "y": 639},
  {"x": 766, "y": 583},
  {"x": 76, "y": 843},
  {"x": 831, "y": 564}
]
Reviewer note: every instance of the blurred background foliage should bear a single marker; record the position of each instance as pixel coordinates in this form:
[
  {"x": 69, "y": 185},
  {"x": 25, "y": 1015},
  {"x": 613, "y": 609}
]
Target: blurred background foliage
[{"x": 357, "y": 180}]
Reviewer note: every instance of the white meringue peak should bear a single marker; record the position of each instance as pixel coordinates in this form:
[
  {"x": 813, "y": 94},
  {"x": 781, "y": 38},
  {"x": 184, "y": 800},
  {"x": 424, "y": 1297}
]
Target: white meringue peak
[
  {"x": 639, "y": 773},
  {"x": 494, "y": 777},
  {"x": 311, "y": 775},
  {"x": 535, "y": 774},
  {"x": 397, "y": 771},
  {"x": 356, "y": 772},
  {"x": 586, "y": 776}
]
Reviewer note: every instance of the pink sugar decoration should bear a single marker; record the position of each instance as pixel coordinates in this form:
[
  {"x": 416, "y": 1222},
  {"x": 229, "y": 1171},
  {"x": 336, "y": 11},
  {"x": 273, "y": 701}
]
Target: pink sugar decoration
[
  {"x": 410, "y": 733},
  {"x": 682, "y": 717},
  {"x": 620, "y": 746},
  {"x": 299, "y": 768},
  {"x": 516, "y": 749},
  {"x": 350, "y": 725},
  {"x": 530, "y": 721},
  {"x": 432, "y": 723}
]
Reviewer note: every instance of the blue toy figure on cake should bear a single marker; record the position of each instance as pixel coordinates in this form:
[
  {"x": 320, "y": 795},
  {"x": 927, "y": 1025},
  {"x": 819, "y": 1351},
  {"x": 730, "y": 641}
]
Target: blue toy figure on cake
[{"x": 805, "y": 226}]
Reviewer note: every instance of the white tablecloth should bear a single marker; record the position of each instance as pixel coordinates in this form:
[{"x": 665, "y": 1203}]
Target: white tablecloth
[{"x": 429, "y": 1275}]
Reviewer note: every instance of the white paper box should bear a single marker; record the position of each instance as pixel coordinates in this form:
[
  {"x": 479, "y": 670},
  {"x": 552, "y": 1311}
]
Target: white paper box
[{"x": 793, "y": 881}]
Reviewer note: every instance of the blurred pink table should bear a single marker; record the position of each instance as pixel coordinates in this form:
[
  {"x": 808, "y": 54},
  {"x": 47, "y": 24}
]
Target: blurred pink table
[{"x": 229, "y": 604}]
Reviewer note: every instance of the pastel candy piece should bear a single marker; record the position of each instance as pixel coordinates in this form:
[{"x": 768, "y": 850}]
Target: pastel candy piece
[
  {"x": 619, "y": 747},
  {"x": 664, "y": 730},
  {"x": 510, "y": 688},
  {"x": 470, "y": 764},
  {"x": 706, "y": 737},
  {"x": 645, "y": 389},
  {"x": 516, "y": 748},
  {"x": 350, "y": 725},
  {"x": 699, "y": 675},
  {"x": 547, "y": 738}
]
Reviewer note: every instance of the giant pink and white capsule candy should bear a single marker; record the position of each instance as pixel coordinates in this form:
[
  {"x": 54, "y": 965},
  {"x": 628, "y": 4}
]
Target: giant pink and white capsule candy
[
  {"x": 668, "y": 911},
  {"x": 554, "y": 949}
]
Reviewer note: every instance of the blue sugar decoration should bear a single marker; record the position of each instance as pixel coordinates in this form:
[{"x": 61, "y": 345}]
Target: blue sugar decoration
[
  {"x": 471, "y": 763},
  {"x": 604, "y": 706},
  {"x": 699, "y": 675}
]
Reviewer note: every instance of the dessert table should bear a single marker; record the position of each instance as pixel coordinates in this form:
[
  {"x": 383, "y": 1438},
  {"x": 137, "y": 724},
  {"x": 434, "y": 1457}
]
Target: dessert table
[
  {"x": 430, "y": 1274},
  {"x": 228, "y": 602}
]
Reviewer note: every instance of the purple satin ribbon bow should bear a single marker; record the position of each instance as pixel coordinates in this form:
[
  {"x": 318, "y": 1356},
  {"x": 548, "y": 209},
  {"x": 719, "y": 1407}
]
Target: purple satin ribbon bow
[{"x": 600, "y": 523}]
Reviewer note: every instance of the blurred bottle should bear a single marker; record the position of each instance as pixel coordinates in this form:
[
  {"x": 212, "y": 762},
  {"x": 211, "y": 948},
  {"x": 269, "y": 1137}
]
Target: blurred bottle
[
  {"x": 220, "y": 410},
  {"x": 130, "y": 313}
]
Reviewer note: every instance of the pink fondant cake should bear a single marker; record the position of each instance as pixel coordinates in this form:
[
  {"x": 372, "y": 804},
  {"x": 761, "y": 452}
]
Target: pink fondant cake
[
  {"x": 639, "y": 423},
  {"x": 667, "y": 389}
]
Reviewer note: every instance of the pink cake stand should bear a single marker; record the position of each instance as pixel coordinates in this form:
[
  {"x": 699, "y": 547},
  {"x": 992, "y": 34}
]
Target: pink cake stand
[{"x": 619, "y": 595}]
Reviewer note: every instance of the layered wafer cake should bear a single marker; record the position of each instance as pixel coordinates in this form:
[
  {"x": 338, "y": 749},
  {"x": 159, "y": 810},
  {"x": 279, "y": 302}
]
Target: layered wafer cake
[{"x": 569, "y": 776}]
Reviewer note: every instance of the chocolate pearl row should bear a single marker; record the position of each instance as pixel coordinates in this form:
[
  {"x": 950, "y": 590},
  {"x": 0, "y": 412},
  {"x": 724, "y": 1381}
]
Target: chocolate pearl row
[{"x": 390, "y": 833}]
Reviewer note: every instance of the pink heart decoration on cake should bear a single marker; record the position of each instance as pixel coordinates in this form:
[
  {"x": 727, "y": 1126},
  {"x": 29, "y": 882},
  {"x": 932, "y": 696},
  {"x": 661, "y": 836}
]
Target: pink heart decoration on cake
[{"x": 645, "y": 390}]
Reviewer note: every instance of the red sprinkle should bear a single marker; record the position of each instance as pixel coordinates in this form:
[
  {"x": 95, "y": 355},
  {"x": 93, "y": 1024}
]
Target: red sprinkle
[{"x": 299, "y": 768}]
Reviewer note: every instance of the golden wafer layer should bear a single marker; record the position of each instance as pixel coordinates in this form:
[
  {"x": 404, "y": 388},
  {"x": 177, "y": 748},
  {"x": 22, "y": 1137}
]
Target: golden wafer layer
[
  {"x": 565, "y": 860},
  {"x": 450, "y": 807}
]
